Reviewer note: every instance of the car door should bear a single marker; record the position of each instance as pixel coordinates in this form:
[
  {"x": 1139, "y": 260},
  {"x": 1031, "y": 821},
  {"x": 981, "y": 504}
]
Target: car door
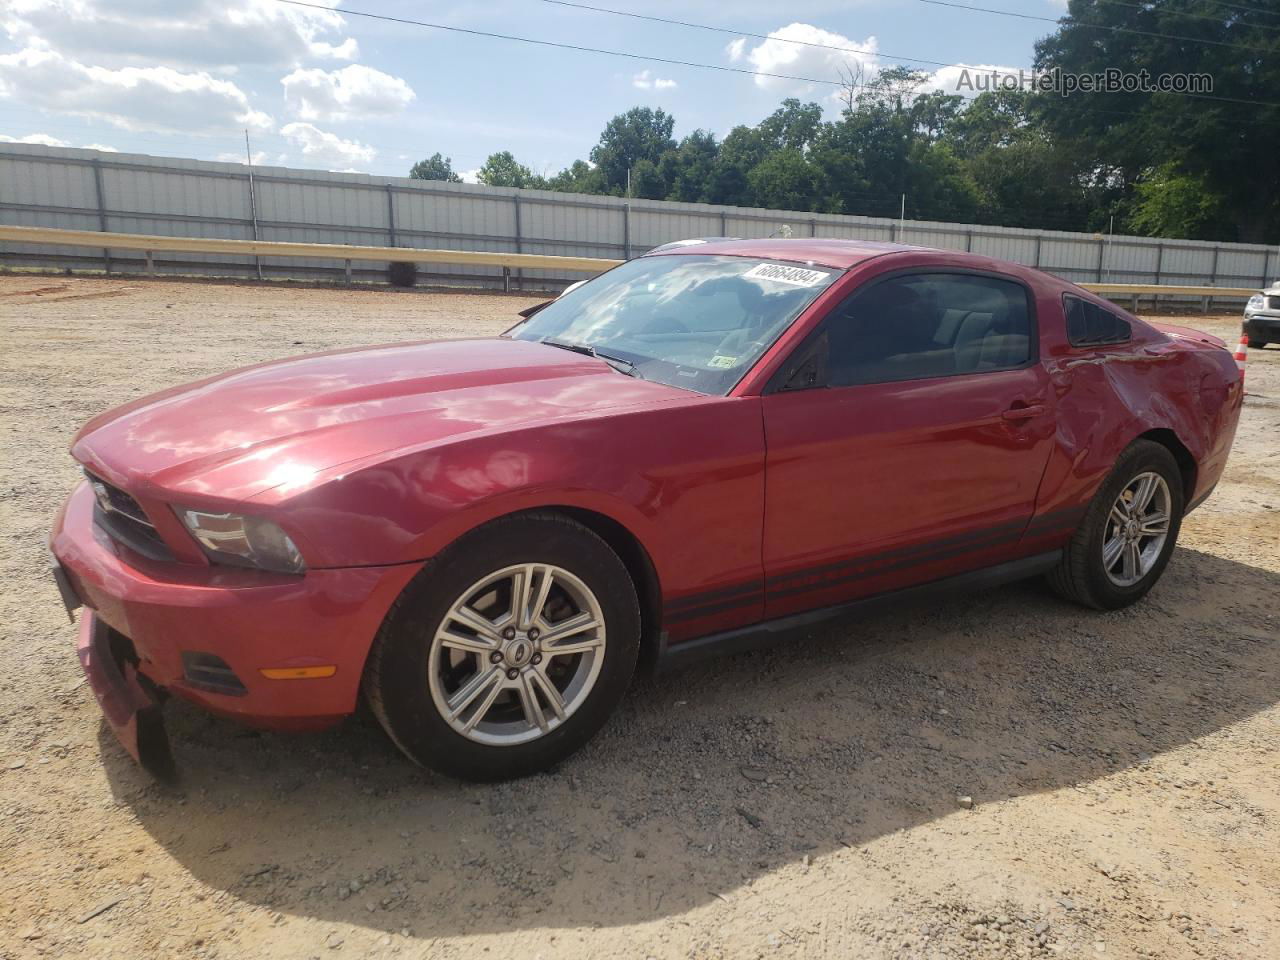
[{"x": 905, "y": 440}]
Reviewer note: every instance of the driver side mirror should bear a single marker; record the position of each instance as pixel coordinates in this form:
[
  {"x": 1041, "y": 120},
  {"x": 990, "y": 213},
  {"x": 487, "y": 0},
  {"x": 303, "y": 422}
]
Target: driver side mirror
[
  {"x": 810, "y": 371},
  {"x": 528, "y": 312}
]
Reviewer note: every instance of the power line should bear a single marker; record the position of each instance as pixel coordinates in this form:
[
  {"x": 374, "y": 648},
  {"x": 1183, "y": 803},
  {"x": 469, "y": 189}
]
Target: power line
[
  {"x": 1148, "y": 8},
  {"x": 1065, "y": 21},
  {"x": 562, "y": 46},
  {"x": 828, "y": 46},
  {"x": 748, "y": 33},
  {"x": 1237, "y": 6},
  {"x": 643, "y": 58}
]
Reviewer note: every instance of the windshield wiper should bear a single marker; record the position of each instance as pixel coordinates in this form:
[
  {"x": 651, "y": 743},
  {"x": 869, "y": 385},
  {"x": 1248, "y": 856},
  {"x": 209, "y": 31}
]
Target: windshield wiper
[{"x": 618, "y": 363}]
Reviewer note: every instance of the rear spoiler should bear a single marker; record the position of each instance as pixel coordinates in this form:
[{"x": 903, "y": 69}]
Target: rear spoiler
[{"x": 1186, "y": 333}]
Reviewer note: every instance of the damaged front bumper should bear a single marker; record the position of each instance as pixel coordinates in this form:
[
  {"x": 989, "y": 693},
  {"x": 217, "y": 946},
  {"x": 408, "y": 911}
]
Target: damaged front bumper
[
  {"x": 128, "y": 701},
  {"x": 241, "y": 644}
]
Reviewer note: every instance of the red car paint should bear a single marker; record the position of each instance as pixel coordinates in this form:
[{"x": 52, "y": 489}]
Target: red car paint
[{"x": 374, "y": 460}]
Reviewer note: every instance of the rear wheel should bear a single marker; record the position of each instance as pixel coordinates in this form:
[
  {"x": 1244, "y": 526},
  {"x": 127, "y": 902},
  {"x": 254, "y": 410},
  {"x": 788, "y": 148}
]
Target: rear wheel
[
  {"x": 1257, "y": 344},
  {"x": 509, "y": 650},
  {"x": 1124, "y": 541}
]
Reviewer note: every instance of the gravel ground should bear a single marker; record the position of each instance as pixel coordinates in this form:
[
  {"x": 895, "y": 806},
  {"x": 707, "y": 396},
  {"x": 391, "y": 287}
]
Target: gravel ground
[{"x": 1000, "y": 775}]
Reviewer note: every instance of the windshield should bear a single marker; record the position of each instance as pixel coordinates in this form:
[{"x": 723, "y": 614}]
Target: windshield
[{"x": 690, "y": 321}]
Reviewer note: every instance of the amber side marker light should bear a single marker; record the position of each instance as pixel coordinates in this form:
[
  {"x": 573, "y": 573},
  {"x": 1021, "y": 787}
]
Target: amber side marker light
[{"x": 298, "y": 673}]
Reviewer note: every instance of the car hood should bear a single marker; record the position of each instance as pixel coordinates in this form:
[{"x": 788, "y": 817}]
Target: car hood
[{"x": 283, "y": 423}]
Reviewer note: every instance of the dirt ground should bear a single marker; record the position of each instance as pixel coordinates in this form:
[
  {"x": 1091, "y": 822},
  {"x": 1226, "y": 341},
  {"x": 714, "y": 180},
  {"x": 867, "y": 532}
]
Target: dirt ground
[{"x": 800, "y": 802}]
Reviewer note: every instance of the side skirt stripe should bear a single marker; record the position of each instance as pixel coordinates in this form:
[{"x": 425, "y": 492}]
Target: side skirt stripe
[{"x": 825, "y": 576}]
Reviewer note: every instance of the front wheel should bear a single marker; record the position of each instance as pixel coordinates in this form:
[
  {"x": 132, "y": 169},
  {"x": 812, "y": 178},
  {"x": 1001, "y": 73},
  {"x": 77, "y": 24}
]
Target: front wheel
[
  {"x": 1128, "y": 533},
  {"x": 509, "y": 650}
]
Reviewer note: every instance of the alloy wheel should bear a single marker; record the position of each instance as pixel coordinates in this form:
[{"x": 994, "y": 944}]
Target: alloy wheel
[
  {"x": 1136, "y": 529},
  {"x": 517, "y": 653}
]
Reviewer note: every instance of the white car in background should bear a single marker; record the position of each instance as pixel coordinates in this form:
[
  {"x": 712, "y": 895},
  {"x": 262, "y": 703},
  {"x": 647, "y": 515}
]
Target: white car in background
[{"x": 1262, "y": 317}]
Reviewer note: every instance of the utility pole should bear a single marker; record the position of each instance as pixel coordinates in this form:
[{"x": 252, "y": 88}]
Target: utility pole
[
  {"x": 902, "y": 218},
  {"x": 626, "y": 220},
  {"x": 253, "y": 200},
  {"x": 1111, "y": 235}
]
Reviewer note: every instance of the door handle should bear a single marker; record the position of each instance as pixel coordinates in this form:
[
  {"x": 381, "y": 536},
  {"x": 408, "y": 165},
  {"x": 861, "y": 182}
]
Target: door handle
[{"x": 1023, "y": 413}]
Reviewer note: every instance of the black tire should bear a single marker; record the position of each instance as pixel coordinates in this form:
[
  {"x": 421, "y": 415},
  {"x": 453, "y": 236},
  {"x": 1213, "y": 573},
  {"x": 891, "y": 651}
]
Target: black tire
[
  {"x": 1257, "y": 344},
  {"x": 1080, "y": 577},
  {"x": 395, "y": 678}
]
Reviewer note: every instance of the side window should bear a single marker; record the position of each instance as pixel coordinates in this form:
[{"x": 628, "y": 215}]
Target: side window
[
  {"x": 1090, "y": 325},
  {"x": 923, "y": 325}
]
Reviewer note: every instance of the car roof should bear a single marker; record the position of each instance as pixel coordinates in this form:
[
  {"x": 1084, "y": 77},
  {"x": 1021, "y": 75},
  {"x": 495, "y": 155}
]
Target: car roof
[{"x": 819, "y": 251}]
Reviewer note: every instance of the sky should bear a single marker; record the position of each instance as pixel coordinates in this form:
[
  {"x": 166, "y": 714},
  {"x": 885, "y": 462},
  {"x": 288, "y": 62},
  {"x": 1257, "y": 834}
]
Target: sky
[{"x": 321, "y": 87}]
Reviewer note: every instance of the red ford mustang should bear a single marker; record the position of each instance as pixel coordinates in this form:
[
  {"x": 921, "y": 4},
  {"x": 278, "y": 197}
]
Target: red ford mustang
[{"x": 697, "y": 451}]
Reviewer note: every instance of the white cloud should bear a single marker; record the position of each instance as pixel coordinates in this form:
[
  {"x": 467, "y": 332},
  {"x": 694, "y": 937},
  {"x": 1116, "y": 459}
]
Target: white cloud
[
  {"x": 348, "y": 49},
  {"x": 352, "y": 91},
  {"x": 133, "y": 98},
  {"x": 46, "y": 140},
  {"x": 812, "y": 56},
  {"x": 183, "y": 33},
  {"x": 971, "y": 80},
  {"x": 645, "y": 80},
  {"x": 41, "y": 138},
  {"x": 259, "y": 158},
  {"x": 328, "y": 149}
]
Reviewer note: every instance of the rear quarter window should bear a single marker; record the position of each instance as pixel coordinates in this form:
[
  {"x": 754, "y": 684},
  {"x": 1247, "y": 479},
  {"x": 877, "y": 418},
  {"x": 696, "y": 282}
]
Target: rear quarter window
[{"x": 1089, "y": 325}]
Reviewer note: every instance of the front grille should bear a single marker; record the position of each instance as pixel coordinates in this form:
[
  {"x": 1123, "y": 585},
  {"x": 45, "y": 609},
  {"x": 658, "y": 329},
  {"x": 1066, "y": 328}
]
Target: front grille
[
  {"x": 1273, "y": 303},
  {"x": 124, "y": 520}
]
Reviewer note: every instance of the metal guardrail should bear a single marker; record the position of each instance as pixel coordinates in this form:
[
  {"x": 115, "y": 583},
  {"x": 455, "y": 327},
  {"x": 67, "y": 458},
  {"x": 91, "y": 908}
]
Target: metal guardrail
[
  {"x": 275, "y": 248},
  {"x": 1168, "y": 290},
  {"x": 345, "y": 252}
]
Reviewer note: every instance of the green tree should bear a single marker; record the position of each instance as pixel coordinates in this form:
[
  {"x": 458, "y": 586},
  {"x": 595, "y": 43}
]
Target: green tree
[
  {"x": 647, "y": 180},
  {"x": 1020, "y": 176},
  {"x": 1170, "y": 202},
  {"x": 689, "y": 169},
  {"x": 1228, "y": 148},
  {"x": 1160, "y": 164},
  {"x": 578, "y": 177},
  {"x": 435, "y": 167},
  {"x": 785, "y": 180},
  {"x": 995, "y": 119},
  {"x": 934, "y": 113},
  {"x": 794, "y": 125},
  {"x": 641, "y": 133},
  {"x": 502, "y": 170},
  {"x": 1028, "y": 183},
  {"x": 864, "y": 156}
]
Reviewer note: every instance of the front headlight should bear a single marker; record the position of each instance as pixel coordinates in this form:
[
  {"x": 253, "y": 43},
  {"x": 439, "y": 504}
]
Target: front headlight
[
  {"x": 243, "y": 541},
  {"x": 1256, "y": 302}
]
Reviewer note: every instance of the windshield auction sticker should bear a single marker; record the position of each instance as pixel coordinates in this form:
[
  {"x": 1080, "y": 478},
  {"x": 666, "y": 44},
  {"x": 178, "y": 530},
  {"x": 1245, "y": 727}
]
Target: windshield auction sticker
[{"x": 795, "y": 276}]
